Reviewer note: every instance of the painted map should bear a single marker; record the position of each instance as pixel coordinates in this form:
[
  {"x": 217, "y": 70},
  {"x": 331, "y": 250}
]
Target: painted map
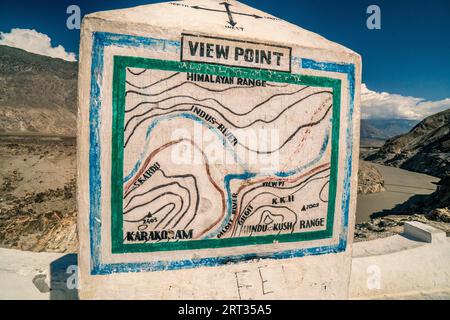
[{"x": 216, "y": 155}]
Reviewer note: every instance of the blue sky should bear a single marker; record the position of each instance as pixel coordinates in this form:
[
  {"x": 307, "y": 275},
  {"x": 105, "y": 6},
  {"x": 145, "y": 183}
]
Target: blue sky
[{"x": 409, "y": 56}]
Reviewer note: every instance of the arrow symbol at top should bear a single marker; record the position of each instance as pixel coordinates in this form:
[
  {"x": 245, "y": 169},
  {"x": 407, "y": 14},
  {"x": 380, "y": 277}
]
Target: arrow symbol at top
[
  {"x": 230, "y": 16},
  {"x": 229, "y": 12}
]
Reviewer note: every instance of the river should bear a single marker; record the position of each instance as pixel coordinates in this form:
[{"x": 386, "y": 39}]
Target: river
[{"x": 400, "y": 185}]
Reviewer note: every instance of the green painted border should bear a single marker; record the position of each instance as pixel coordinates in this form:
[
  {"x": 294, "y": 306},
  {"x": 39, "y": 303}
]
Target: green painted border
[{"x": 120, "y": 65}]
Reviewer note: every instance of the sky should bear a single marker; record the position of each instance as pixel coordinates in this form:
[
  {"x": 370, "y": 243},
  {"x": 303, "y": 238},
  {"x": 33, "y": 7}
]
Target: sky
[{"x": 406, "y": 64}]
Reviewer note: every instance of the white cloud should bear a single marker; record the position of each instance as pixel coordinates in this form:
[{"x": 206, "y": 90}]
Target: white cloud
[
  {"x": 35, "y": 42},
  {"x": 388, "y": 106}
]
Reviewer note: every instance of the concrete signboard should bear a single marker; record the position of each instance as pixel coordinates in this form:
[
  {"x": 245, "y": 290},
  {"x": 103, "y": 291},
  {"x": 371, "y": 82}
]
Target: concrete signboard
[{"x": 218, "y": 150}]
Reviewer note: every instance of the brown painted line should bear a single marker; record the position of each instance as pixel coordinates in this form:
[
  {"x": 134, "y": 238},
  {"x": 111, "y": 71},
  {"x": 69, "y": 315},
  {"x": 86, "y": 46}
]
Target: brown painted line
[
  {"x": 307, "y": 132},
  {"x": 293, "y": 180},
  {"x": 146, "y": 162},
  {"x": 208, "y": 172}
]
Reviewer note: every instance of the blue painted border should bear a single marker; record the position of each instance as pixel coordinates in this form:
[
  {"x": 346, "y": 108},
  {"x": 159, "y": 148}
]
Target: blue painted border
[
  {"x": 349, "y": 70},
  {"x": 102, "y": 40}
]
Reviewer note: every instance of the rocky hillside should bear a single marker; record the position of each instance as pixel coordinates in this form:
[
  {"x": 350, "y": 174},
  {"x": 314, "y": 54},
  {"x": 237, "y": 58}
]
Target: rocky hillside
[
  {"x": 370, "y": 179},
  {"x": 425, "y": 149},
  {"x": 38, "y": 94}
]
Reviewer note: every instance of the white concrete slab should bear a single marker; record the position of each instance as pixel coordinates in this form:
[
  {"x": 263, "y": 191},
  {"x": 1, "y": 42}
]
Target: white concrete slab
[
  {"x": 416, "y": 269},
  {"x": 423, "y": 232}
]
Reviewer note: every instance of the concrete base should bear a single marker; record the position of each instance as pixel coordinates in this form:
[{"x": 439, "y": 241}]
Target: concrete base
[
  {"x": 302, "y": 278},
  {"x": 397, "y": 267}
]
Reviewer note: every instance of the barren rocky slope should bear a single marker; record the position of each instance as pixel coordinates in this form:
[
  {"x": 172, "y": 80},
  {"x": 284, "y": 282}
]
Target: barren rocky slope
[
  {"x": 425, "y": 149},
  {"x": 38, "y": 94}
]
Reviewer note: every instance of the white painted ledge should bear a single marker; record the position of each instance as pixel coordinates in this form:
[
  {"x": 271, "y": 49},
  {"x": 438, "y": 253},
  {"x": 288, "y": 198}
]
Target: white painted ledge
[
  {"x": 410, "y": 266},
  {"x": 398, "y": 267}
]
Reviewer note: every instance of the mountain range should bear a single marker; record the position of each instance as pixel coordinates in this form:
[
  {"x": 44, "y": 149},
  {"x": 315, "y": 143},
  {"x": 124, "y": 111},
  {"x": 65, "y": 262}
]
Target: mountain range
[{"x": 374, "y": 132}]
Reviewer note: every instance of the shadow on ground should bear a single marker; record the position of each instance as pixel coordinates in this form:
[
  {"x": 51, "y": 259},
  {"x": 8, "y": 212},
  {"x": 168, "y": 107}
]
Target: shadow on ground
[
  {"x": 408, "y": 207},
  {"x": 64, "y": 278}
]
